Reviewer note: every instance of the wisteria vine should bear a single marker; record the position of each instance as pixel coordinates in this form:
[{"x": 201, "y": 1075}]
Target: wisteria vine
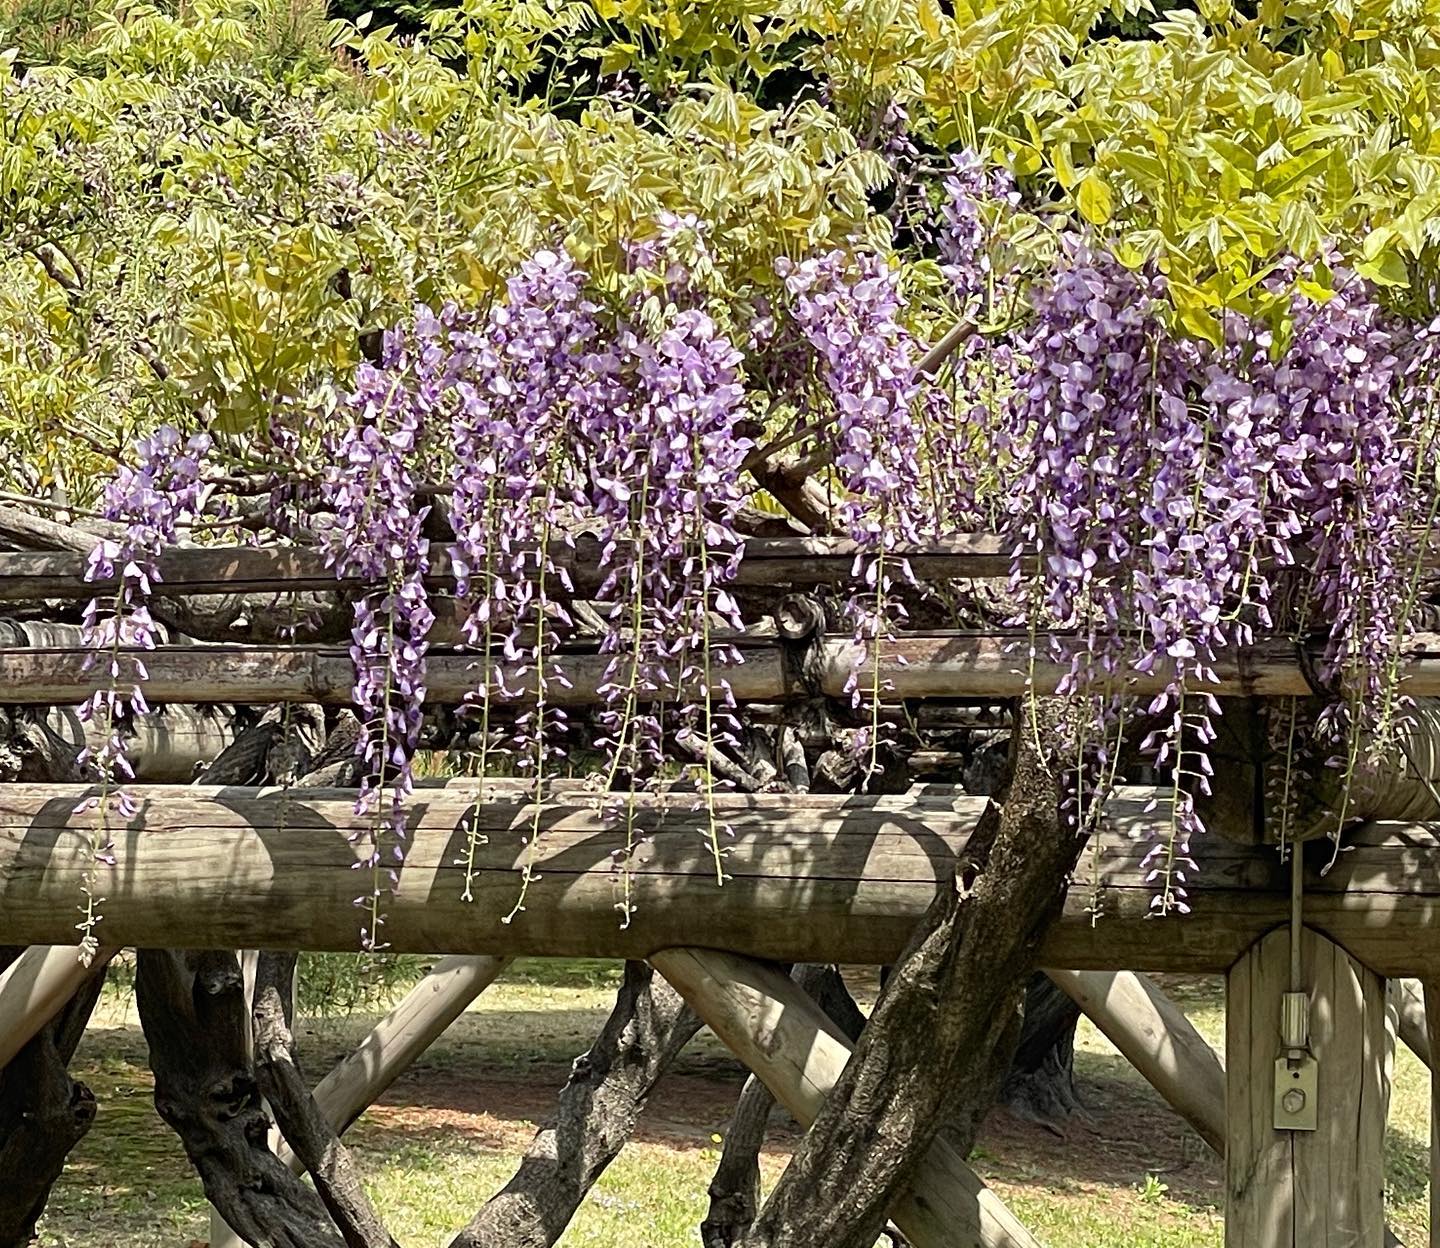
[{"x": 1167, "y": 498}]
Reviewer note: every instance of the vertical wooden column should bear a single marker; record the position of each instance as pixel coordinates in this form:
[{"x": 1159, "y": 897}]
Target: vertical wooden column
[
  {"x": 1306, "y": 1189},
  {"x": 1432, "y": 1023}
]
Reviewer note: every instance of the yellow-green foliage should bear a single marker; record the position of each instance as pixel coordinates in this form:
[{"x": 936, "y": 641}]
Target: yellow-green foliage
[
  {"x": 240, "y": 223},
  {"x": 203, "y": 210}
]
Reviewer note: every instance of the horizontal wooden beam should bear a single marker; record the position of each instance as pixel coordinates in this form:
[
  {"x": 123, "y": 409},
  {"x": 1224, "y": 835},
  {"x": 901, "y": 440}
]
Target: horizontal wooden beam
[
  {"x": 937, "y": 665},
  {"x": 28, "y": 576},
  {"x": 810, "y": 878}
]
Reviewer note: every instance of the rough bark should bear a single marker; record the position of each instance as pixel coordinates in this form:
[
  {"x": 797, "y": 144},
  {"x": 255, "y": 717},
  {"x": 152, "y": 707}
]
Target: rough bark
[
  {"x": 735, "y": 1189},
  {"x": 942, "y": 1033},
  {"x": 598, "y": 1109},
  {"x": 306, "y": 1128},
  {"x": 30, "y": 750},
  {"x": 1040, "y": 1085},
  {"x": 192, "y": 1009},
  {"x": 43, "y": 1113}
]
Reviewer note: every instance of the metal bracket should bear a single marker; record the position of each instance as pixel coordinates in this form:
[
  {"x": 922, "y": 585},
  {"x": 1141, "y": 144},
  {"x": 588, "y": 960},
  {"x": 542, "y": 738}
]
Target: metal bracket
[{"x": 1296, "y": 1087}]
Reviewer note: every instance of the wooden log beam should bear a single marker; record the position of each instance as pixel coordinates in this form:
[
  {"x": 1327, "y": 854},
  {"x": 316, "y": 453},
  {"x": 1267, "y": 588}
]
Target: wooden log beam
[
  {"x": 811, "y": 878},
  {"x": 360, "y": 1078},
  {"x": 1323, "y": 1188},
  {"x": 27, "y": 576},
  {"x": 941, "y": 665},
  {"x": 793, "y": 1046},
  {"x": 36, "y": 987},
  {"x": 1154, "y": 1036}
]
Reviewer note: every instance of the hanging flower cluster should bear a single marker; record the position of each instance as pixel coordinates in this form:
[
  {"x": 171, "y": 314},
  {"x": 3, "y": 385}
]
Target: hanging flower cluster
[
  {"x": 153, "y": 500},
  {"x": 665, "y": 464},
  {"x": 966, "y": 236},
  {"x": 1160, "y": 485},
  {"x": 848, "y": 308},
  {"x": 377, "y": 538}
]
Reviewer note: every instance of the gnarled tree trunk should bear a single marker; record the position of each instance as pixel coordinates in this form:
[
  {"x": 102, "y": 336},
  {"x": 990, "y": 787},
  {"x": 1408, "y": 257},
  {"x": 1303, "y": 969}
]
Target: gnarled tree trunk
[
  {"x": 942, "y": 1034},
  {"x": 598, "y": 1109},
  {"x": 1040, "y": 1084}
]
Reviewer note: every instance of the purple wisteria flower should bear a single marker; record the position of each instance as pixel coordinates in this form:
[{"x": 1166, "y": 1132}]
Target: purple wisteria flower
[
  {"x": 154, "y": 499},
  {"x": 966, "y": 236},
  {"x": 377, "y": 538}
]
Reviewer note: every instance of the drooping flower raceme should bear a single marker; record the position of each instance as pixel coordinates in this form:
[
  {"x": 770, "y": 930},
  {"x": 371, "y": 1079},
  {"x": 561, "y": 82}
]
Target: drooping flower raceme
[
  {"x": 378, "y": 539},
  {"x": 848, "y": 307},
  {"x": 153, "y": 500},
  {"x": 665, "y": 462},
  {"x": 519, "y": 380},
  {"x": 966, "y": 236}
]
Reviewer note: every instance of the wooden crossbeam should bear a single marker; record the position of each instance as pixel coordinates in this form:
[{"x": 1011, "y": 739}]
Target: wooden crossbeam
[
  {"x": 27, "y": 576},
  {"x": 1154, "y": 1036},
  {"x": 939, "y": 665},
  {"x": 798, "y": 1052},
  {"x": 811, "y": 878},
  {"x": 35, "y": 988},
  {"x": 394, "y": 1044}
]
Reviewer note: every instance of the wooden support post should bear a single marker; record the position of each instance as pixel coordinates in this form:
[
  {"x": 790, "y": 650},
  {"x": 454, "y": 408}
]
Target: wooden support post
[
  {"x": 798, "y": 1052},
  {"x": 35, "y": 988},
  {"x": 359, "y": 1079},
  {"x": 1157, "y": 1039},
  {"x": 1432, "y": 1023},
  {"x": 1306, "y": 1189}
]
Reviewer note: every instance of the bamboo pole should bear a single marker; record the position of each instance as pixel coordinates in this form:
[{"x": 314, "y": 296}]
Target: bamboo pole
[{"x": 795, "y": 1049}]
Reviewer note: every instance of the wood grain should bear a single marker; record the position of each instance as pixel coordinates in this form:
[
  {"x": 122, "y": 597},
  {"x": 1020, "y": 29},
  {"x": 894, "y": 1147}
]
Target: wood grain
[
  {"x": 948, "y": 665},
  {"x": 1307, "y": 1189},
  {"x": 809, "y": 878}
]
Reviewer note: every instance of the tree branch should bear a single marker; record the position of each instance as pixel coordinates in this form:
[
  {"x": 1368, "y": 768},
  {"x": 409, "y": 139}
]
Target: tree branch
[{"x": 307, "y": 1130}]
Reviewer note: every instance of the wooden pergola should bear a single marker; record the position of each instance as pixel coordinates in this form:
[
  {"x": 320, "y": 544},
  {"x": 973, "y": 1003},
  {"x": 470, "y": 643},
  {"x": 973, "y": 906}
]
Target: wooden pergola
[{"x": 809, "y": 878}]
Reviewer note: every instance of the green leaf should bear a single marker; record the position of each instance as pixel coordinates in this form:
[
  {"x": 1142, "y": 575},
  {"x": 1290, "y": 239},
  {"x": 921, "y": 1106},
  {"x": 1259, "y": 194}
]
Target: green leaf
[{"x": 1095, "y": 200}]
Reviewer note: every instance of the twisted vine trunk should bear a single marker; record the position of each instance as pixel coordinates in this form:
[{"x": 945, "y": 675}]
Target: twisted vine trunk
[
  {"x": 1040, "y": 1084},
  {"x": 44, "y": 1113},
  {"x": 942, "y": 1034},
  {"x": 193, "y": 1011},
  {"x": 599, "y": 1106},
  {"x": 735, "y": 1189}
]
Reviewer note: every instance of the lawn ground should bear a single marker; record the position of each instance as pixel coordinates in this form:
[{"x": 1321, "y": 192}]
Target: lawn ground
[{"x": 1128, "y": 1174}]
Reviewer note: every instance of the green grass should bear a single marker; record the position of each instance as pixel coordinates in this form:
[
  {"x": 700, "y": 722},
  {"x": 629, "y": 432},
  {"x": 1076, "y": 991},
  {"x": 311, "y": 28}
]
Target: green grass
[{"x": 1127, "y": 1175}]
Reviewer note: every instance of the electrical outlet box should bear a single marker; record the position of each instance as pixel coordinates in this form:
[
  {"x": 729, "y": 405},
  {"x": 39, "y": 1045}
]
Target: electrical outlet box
[{"x": 1296, "y": 1087}]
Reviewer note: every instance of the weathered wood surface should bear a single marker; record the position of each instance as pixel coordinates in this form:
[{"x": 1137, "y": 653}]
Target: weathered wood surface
[
  {"x": 360, "y": 1078},
  {"x": 1155, "y": 1037},
  {"x": 790, "y": 1043},
  {"x": 27, "y": 576},
  {"x": 1407, "y": 996},
  {"x": 36, "y": 987},
  {"x": 1432, "y": 1025},
  {"x": 1307, "y": 1189},
  {"x": 950, "y": 665},
  {"x": 812, "y": 878}
]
